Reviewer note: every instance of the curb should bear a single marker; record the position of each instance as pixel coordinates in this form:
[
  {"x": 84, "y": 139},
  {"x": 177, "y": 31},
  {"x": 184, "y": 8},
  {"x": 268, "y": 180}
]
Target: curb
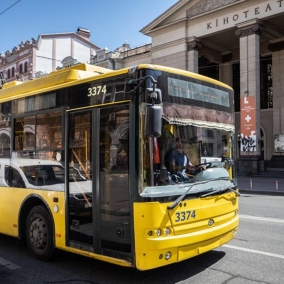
[{"x": 264, "y": 192}]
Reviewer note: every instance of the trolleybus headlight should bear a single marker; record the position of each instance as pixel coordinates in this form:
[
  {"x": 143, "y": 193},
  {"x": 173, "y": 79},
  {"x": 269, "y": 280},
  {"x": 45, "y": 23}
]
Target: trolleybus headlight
[
  {"x": 168, "y": 255},
  {"x": 167, "y": 231},
  {"x": 236, "y": 213},
  {"x": 150, "y": 233},
  {"x": 159, "y": 232}
]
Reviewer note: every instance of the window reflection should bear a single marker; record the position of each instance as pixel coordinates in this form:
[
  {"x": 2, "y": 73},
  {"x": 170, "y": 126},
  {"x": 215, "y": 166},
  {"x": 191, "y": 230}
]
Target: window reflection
[
  {"x": 25, "y": 133},
  {"x": 114, "y": 175},
  {"x": 48, "y": 131},
  {"x": 5, "y": 129},
  {"x": 43, "y": 131}
]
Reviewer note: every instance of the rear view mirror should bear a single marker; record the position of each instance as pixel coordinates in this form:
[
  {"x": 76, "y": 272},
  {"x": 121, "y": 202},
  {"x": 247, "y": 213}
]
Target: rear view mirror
[{"x": 153, "y": 121}]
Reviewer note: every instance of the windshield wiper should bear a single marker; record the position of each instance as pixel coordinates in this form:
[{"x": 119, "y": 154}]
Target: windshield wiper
[
  {"x": 218, "y": 191},
  {"x": 176, "y": 202}
]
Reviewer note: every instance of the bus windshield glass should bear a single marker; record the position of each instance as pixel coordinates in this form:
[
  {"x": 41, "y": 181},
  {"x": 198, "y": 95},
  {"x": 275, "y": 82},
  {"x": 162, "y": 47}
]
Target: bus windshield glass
[{"x": 196, "y": 147}]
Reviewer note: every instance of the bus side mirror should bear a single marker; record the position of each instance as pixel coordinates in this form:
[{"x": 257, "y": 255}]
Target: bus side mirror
[
  {"x": 156, "y": 95},
  {"x": 153, "y": 121}
]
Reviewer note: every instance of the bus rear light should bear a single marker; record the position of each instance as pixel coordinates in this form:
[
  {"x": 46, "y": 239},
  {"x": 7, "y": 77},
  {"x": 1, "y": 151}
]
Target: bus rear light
[{"x": 15, "y": 225}]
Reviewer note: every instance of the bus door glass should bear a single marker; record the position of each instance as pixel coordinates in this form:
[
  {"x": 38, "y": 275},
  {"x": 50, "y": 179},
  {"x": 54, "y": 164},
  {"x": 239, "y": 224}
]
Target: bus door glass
[
  {"x": 114, "y": 181},
  {"x": 81, "y": 231},
  {"x": 99, "y": 202}
]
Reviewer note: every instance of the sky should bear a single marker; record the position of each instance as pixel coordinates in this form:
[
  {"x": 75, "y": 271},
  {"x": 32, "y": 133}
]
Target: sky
[{"x": 110, "y": 22}]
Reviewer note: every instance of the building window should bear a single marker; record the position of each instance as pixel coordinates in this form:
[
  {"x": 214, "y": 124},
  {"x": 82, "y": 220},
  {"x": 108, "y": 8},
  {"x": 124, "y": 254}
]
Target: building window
[
  {"x": 13, "y": 72},
  {"x": 206, "y": 68},
  {"x": 236, "y": 85},
  {"x": 26, "y": 67},
  {"x": 9, "y": 73},
  {"x": 266, "y": 88},
  {"x": 21, "y": 68}
]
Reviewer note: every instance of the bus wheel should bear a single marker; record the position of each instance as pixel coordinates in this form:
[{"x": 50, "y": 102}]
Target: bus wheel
[{"x": 39, "y": 233}]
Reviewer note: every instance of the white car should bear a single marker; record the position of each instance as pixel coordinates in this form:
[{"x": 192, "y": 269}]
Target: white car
[{"x": 47, "y": 175}]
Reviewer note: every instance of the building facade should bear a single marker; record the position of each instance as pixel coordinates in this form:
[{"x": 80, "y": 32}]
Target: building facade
[
  {"x": 34, "y": 58},
  {"x": 241, "y": 43}
]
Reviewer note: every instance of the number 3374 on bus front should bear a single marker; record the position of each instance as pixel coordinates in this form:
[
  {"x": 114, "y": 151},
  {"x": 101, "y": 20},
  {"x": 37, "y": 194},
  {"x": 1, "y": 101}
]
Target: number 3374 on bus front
[
  {"x": 185, "y": 215},
  {"x": 97, "y": 90}
]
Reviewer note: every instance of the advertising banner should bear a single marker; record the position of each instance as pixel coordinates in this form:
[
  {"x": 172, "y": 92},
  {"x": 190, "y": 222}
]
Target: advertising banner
[{"x": 248, "y": 124}]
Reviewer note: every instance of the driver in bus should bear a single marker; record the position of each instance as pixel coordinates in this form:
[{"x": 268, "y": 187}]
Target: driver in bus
[{"x": 179, "y": 161}]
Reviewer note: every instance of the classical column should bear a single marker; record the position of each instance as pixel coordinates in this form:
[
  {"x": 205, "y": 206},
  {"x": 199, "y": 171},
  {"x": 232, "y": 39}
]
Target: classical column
[
  {"x": 225, "y": 69},
  {"x": 192, "y": 55},
  {"x": 277, "y": 48},
  {"x": 250, "y": 89}
]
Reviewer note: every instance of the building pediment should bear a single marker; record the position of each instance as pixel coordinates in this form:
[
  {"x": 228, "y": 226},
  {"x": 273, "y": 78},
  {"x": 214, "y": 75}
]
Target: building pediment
[
  {"x": 185, "y": 10},
  {"x": 205, "y": 6},
  {"x": 163, "y": 19}
]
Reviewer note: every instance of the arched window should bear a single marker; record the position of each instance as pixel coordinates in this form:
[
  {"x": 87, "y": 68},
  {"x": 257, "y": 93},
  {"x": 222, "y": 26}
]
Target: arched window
[
  {"x": 21, "y": 68},
  {"x": 26, "y": 67},
  {"x": 9, "y": 74},
  {"x": 13, "y": 72}
]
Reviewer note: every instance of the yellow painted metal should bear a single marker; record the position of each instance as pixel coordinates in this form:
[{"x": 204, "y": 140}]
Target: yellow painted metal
[
  {"x": 85, "y": 67},
  {"x": 60, "y": 79},
  {"x": 11, "y": 84},
  {"x": 187, "y": 239},
  {"x": 11, "y": 200},
  {"x": 112, "y": 260},
  {"x": 99, "y": 105}
]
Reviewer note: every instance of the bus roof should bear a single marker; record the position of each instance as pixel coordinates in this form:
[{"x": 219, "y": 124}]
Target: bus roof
[
  {"x": 81, "y": 73},
  {"x": 184, "y": 73}
]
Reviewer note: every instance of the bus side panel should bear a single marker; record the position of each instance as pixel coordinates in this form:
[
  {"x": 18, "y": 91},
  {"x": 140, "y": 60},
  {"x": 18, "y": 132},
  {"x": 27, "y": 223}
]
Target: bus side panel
[{"x": 11, "y": 200}]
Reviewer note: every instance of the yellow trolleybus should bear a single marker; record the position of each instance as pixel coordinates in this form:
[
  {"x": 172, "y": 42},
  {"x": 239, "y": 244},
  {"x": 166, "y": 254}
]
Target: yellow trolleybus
[{"x": 88, "y": 164}]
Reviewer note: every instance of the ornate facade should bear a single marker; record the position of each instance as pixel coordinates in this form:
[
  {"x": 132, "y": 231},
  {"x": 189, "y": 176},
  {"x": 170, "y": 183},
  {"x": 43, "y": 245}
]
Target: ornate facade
[
  {"x": 33, "y": 58},
  {"x": 241, "y": 43}
]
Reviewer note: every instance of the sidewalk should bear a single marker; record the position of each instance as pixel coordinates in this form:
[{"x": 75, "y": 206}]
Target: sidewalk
[{"x": 264, "y": 185}]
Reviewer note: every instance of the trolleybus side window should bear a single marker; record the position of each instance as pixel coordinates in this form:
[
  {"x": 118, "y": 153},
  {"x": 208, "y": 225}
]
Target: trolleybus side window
[{"x": 43, "y": 131}]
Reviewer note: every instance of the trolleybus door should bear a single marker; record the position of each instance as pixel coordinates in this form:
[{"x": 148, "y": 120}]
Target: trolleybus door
[{"x": 99, "y": 215}]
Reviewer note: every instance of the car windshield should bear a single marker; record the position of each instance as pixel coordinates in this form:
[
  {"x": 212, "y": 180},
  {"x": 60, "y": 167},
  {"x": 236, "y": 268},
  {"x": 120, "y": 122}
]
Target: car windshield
[{"x": 40, "y": 175}]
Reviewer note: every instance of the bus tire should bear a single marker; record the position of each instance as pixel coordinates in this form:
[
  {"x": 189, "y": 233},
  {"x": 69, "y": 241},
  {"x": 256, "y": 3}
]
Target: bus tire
[{"x": 39, "y": 234}]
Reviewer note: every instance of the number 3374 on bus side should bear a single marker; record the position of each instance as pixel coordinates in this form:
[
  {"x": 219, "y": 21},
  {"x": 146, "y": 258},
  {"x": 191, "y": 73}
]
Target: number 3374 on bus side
[{"x": 97, "y": 90}]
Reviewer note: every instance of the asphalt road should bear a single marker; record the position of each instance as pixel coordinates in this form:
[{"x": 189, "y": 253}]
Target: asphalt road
[{"x": 255, "y": 256}]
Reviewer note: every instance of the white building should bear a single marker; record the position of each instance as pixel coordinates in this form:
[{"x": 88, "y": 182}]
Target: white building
[
  {"x": 33, "y": 58},
  {"x": 239, "y": 42}
]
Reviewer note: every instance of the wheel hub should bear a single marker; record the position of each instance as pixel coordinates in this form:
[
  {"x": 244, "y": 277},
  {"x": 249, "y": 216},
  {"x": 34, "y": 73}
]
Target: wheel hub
[{"x": 38, "y": 233}]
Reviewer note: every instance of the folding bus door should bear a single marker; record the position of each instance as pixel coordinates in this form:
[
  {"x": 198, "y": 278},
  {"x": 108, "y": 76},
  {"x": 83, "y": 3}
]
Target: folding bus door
[
  {"x": 99, "y": 201},
  {"x": 114, "y": 181}
]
